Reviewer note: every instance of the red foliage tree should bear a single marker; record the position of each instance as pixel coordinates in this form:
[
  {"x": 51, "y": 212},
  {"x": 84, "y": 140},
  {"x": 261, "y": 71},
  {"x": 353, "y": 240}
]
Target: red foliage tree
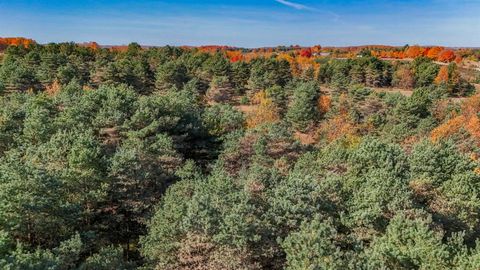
[{"x": 306, "y": 53}]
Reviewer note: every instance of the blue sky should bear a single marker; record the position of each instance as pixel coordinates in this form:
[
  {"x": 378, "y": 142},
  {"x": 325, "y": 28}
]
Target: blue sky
[{"x": 245, "y": 23}]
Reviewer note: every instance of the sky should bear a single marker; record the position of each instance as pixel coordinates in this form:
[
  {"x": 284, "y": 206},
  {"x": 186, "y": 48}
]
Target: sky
[{"x": 246, "y": 23}]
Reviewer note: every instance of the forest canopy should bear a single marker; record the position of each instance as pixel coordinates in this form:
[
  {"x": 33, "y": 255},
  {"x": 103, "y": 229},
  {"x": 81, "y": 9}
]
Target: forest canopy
[{"x": 211, "y": 158}]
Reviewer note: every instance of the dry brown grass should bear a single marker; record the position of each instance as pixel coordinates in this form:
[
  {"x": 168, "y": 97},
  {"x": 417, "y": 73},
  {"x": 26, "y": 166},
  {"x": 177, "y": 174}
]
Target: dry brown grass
[{"x": 305, "y": 138}]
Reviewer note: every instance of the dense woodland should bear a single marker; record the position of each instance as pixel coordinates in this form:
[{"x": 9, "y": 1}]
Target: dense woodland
[{"x": 182, "y": 158}]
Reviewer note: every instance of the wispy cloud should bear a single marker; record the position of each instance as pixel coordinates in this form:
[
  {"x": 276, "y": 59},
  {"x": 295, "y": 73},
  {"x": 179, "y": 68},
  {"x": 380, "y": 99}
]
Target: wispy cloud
[
  {"x": 293, "y": 5},
  {"x": 336, "y": 17}
]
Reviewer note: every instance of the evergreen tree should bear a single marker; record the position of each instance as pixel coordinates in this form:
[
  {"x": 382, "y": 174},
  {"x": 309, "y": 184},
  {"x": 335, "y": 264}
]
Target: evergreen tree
[{"x": 302, "y": 110}]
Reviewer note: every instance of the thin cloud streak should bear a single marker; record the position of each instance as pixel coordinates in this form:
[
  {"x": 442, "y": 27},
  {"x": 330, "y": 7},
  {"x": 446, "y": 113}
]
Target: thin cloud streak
[
  {"x": 293, "y": 5},
  {"x": 336, "y": 17}
]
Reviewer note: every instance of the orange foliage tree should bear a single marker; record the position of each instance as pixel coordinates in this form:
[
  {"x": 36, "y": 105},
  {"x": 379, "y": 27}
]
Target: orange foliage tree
[
  {"x": 442, "y": 76},
  {"x": 446, "y": 56},
  {"x": 15, "y": 41},
  {"x": 324, "y": 104},
  {"x": 414, "y": 52},
  {"x": 92, "y": 45},
  {"x": 458, "y": 59},
  {"x": 447, "y": 129},
  {"x": 433, "y": 52},
  {"x": 234, "y": 56},
  {"x": 468, "y": 121}
]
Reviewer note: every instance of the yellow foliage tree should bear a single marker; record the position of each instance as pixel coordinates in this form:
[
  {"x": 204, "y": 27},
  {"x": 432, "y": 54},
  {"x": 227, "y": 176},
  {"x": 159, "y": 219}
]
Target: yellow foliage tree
[{"x": 264, "y": 112}]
